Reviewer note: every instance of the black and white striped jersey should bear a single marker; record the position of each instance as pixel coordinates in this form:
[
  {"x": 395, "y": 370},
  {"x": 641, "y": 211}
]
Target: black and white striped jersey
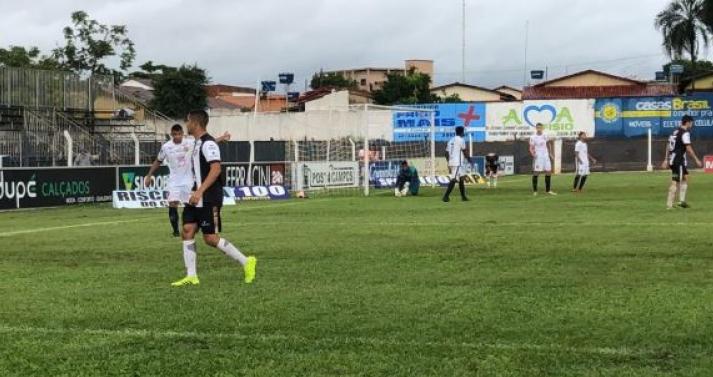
[
  {"x": 205, "y": 152},
  {"x": 677, "y": 143}
]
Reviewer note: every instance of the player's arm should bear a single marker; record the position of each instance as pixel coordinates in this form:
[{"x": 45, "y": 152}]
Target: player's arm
[
  {"x": 692, "y": 153},
  {"x": 224, "y": 137},
  {"x": 149, "y": 176},
  {"x": 532, "y": 149},
  {"x": 664, "y": 164}
]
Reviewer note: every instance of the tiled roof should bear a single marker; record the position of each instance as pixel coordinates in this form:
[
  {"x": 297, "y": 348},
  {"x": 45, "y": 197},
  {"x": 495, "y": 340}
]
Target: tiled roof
[
  {"x": 214, "y": 90},
  {"x": 565, "y": 92}
]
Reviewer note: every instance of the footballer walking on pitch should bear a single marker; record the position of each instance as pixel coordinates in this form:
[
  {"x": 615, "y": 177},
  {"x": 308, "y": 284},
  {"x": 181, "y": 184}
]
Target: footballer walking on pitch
[
  {"x": 679, "y": 143},
  {"x": 203, "y": 208},
  {"x": 457, "y": 156},
  {"x": 492, "y": 163},
  {"x": 541, "y": 159},
  {"x": 582, "y": 159},
  {"x": 176, "y": 153}
]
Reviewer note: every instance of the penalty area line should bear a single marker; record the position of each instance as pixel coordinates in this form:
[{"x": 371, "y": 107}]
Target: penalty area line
[
  {"x": 329, "y": 341},
  {"x": 47, "y": 229}
]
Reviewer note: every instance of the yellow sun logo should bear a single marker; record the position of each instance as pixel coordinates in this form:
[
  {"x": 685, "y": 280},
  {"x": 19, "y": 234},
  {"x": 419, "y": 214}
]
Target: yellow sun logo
[{"x": 610, "y": 112}]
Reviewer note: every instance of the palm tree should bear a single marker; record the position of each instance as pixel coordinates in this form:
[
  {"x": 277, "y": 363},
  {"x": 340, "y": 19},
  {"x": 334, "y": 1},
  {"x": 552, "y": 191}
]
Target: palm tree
[{"x": 683, "y": 25}]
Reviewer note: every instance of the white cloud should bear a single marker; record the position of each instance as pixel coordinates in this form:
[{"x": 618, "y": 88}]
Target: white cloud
[{"x": 240, "y": 41}]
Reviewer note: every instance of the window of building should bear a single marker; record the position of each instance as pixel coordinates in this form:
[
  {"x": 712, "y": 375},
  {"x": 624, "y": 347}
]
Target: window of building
[{"x": 363, "y": 82}]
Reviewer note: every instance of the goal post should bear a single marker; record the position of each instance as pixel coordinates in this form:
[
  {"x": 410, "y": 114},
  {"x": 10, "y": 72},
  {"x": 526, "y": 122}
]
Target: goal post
[{"x": 357, "y": 149}]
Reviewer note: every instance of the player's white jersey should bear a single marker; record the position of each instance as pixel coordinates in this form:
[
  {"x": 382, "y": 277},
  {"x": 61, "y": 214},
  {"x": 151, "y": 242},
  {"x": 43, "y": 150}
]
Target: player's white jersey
[
  {"x": 539, "y": 143},
  {"x": 455, "y": 149},
  {"x": 581, "y": 150},
  {"x": 178, "y": 159}
]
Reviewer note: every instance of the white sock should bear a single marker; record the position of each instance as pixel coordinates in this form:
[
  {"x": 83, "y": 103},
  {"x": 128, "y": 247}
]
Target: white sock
[
  {"x": 189, "y": 257},
  {"x": 682, "y": 192},
  {"x": 671, "y": 194},
  {"x": 495, "y": 181},
  {"x": 232, "y": 251}
]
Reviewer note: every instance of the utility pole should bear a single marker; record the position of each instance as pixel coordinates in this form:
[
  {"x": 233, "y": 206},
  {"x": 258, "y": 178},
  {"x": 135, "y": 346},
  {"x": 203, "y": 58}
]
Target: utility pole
[
  {"x": 462, "y": 77},
  {"x": 527, "y": 32}
]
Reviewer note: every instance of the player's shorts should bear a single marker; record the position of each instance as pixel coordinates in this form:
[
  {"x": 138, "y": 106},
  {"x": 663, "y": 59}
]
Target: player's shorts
[
  {"x": 456, "y": 172},
  {"x": 541, "y": 163},
  {"x": 678, "y": 171},
  {"x": 491, "y": 169},
  {"x": 207, "y": 217},
  {"x": 583, "y": 169},
  {"x": 179, "y": 193}
]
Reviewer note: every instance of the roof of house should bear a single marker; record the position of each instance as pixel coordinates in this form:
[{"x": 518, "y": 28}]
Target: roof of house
[
  {"x": 321, "y": 92},
  {"x": 586, "y": 72},
  {"x": 145, "y": 81},
  {"x": 217, "y": 103},
  {"x": 565, "y": 92},
  {"x": 453, "y": 84},
  {"x": 505, "y": 87},
  {"x": 214, "y": 90},
  {"x": 628, "y": 88},
  {"x": 143, "y": 95}
]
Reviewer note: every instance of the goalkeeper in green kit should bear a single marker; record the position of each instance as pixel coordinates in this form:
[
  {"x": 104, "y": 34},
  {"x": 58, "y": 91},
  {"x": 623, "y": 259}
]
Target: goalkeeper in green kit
[{"x": 407, "y": 180}]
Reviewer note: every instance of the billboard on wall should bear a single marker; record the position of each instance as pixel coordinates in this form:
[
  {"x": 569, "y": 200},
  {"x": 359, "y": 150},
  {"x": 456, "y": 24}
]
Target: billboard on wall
[
  {"x": 632, "y": 117},
  {"x": 47, "y": 187},
  {"x": 516, "y": 120},
  {"x": 416, "y": 126}
]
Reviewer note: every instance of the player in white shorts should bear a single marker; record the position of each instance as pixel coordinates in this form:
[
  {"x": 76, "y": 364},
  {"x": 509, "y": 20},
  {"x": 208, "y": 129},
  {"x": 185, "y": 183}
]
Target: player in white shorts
[
  {"x": 582, "y": 159},
  {"x": 541, "y": 162},
  {"x": 177, "y": 154},
  {"x": 457, "y": 156}
]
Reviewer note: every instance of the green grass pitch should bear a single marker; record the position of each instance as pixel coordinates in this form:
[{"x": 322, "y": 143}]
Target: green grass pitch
[{"x": 607, "y": 283}]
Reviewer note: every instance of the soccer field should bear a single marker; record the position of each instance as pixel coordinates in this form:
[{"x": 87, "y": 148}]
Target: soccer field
[{"x": 606, "y": 283}]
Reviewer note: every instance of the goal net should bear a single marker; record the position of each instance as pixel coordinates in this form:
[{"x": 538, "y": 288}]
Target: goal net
[{"x": 359, "y": 149}]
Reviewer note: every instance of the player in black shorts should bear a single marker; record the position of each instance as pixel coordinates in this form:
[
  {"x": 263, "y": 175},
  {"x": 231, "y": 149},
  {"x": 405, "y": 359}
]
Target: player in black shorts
[
  {"x": 679, "y": 143},
  {"x": 492, "y": 163},
  {"x": 203, "y": 208}
]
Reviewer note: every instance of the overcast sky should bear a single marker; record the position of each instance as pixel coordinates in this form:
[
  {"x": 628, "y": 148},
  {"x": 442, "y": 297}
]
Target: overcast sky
[{"x": 239, "y": 41}]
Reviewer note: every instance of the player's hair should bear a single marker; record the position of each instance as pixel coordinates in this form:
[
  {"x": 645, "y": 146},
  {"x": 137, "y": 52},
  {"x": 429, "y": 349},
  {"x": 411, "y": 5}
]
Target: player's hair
[
  {"x": 581, "y": 133},
  {"x": 539, "y": 125},
  {"x": 686, "y": 118},
  {"x": 404, "y": 162},
  {"x": 460, "y": 130},
  {"x": 176, "y": 128},
  {"x": 199, "y": 116}
]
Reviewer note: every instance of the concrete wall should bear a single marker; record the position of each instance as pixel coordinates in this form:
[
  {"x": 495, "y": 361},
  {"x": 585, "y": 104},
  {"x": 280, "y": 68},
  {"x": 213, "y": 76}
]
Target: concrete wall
[{"x": 312, "y": 125}]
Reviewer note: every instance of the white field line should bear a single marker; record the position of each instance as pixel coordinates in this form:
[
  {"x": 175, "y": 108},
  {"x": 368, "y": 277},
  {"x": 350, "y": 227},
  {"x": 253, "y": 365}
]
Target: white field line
[
  {"x": 373, "y": 341},
  {"x": 47, "y": 229},
  {"x": 452, "y": 224}
]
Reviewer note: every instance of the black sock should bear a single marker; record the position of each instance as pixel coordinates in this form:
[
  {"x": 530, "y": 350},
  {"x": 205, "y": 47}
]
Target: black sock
[
  {"x": 173, "y": 216},
  {"x": 581, "y": 181},
  {"x": 534, "y": 183},
  {"x": 451, "y": 185},
  {"x": 547, "y": 183},
  {"x": 576, "y": 181},
  {"x": 461, "y": 187}
]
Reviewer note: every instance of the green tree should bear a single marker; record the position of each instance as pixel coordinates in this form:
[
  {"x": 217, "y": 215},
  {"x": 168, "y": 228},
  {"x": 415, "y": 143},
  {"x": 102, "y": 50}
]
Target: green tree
[
  {"x": 89, "y": 44},
  {"x": 331, "y": 80},
  {"x": 453, "y": 98},
  {"x": 178, "y": 91},
  {"x": 152, "y": 71},
  {"x": 702, "y": 66},
  {"x": 413, "y": 87},
  {"x": 18, "y": 56},
  {"x": 683, "y": 26}
]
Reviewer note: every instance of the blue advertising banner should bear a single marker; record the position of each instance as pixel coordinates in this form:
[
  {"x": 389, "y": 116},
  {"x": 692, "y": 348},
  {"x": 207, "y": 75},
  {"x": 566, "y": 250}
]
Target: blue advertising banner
[
  {"x": 415, "y": 126},
  {"x": 632, "y": 117}
]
